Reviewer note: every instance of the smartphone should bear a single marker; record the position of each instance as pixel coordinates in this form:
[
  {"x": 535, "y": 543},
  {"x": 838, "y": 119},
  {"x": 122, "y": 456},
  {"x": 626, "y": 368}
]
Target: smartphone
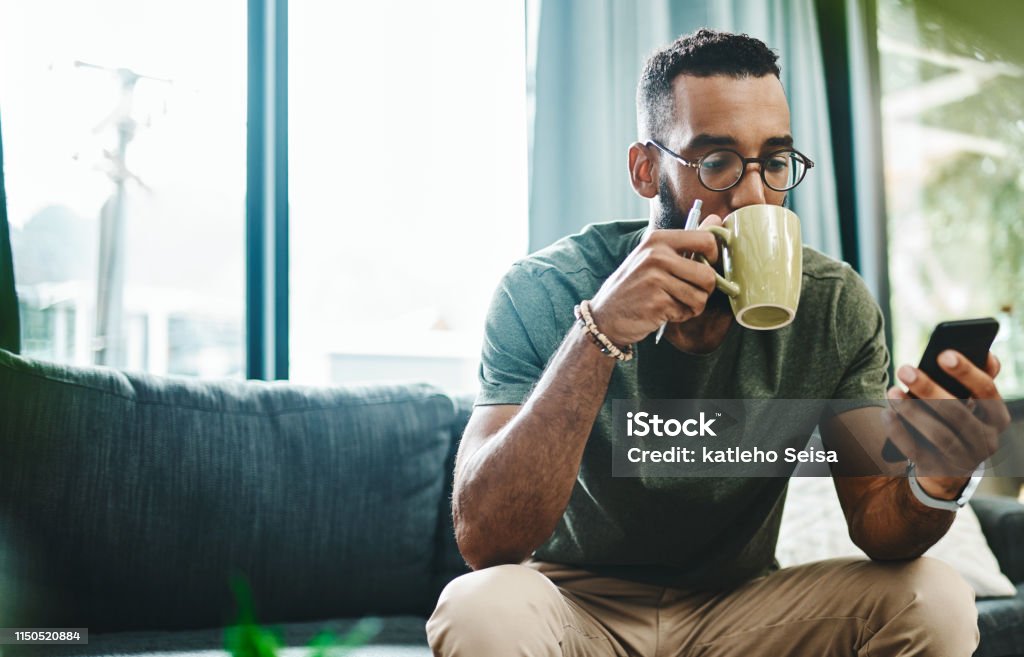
[{"x": 971, "y": 337}]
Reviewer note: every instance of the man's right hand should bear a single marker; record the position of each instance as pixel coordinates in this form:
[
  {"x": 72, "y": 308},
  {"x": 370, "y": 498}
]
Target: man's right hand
[{"x": 657, "y": 283}]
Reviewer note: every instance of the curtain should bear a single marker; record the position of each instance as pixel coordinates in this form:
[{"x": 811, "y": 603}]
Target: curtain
[
  {"x": 10, "y": 331},
  {"x": 589, "y": 54},
  {"x": 588, "y": 61}
]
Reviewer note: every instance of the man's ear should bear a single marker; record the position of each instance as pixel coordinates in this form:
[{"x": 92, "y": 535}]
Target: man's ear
[{"x": 643, "y": 170}]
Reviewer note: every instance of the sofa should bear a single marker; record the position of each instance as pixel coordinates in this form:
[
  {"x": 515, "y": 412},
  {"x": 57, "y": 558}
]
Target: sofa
[{"x": 128, "y": 502}]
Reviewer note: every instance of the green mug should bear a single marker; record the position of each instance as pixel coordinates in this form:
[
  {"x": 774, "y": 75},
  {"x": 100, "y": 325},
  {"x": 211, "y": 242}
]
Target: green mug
[{"x": 762, "y": 262}]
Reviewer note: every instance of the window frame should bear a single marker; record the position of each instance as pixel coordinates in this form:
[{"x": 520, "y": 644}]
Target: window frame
[{"x": 266, "y": 204}]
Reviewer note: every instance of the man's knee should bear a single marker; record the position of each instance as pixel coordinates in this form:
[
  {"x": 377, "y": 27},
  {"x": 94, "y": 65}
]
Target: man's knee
[
  {"x": 499, "y": 590},
  {"x": 493, "y": 605},
  {"x": 927, "y": 599},
  {"x": 933, "y": 587}
]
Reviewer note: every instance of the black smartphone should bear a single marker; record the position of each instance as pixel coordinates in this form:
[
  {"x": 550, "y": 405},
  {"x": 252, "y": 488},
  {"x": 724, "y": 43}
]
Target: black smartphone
[{"x": 971, "y": 337}]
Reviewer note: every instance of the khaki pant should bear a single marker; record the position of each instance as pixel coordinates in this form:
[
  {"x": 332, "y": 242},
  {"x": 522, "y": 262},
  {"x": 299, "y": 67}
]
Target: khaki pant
[{"x": 835, "y": 607}]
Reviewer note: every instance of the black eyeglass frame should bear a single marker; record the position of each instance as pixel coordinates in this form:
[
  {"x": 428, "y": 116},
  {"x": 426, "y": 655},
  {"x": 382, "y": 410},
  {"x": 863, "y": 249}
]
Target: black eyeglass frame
[{"x": 695, "y": 164}]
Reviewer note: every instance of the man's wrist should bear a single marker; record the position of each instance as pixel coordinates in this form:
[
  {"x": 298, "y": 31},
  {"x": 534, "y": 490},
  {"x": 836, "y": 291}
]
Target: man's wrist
[
  {"x": 943, "y": 488},
  {"x": 587, "y": 349},
  {"x": 602, "y": 341}
]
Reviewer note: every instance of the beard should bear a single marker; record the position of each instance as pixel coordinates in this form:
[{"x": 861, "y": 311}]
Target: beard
[{"x": 671, "y": 215}]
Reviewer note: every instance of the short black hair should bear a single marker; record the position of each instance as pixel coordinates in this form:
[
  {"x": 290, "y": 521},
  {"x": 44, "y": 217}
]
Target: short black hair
[{"x": 703, "y": 53}]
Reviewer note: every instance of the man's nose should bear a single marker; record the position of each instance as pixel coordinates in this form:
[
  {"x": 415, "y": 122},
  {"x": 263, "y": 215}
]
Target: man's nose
[{"x": 750, "y": 190}]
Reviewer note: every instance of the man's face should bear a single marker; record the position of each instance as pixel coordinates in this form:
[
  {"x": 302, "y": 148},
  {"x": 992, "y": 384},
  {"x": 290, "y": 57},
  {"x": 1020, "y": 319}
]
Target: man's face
[{"x": 749, "y": 115}]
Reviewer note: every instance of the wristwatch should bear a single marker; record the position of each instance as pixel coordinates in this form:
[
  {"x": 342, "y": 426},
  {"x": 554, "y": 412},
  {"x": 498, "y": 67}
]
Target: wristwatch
[{"x": 945, "y": 505}]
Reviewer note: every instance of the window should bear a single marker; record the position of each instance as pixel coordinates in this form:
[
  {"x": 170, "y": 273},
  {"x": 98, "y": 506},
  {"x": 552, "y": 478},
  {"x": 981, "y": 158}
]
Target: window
[
  {"x": 407, "y": 138},
  {"x": 952, "y": 83},
  {"x": 125, "y": 170},
  {"x": 124, "y": 138}
]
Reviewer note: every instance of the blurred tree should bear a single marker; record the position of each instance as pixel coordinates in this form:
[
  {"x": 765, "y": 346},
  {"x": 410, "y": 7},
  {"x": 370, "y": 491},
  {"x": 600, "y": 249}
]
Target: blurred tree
[{"x": 953, "y": 82}]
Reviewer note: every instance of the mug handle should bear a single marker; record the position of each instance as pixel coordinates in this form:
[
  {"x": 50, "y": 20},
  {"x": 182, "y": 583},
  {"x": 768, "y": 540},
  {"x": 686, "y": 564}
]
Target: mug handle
[{"x": 722, "y": 283}]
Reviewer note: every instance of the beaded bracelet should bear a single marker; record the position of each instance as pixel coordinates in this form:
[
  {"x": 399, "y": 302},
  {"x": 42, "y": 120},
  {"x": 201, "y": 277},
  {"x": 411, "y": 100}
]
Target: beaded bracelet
[{"x": 606, "y": 346}]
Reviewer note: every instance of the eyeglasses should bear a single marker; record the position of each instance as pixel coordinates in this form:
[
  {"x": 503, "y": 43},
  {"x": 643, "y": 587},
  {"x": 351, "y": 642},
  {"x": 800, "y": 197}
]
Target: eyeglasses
[{"x": 723, "y": 168}]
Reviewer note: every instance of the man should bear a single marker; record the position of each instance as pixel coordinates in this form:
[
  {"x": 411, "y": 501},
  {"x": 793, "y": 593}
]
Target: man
[{"x": 571, "y": 561}]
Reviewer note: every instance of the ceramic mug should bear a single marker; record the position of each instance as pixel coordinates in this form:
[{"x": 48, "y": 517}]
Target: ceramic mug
[{"x": 762, "y": 262}]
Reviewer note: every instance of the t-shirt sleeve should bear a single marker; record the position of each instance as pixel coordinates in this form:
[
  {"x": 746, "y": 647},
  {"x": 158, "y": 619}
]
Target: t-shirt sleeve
[
  {"x": 518, "y": 337},
  {"x": 860, "y": 342}
]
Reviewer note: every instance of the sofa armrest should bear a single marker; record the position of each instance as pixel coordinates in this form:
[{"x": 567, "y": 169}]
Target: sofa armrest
[{"x": 1002, "y": 521}]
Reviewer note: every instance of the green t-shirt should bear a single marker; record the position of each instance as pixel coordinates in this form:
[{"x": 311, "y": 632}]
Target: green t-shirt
[{"x": 686, "y": 532}]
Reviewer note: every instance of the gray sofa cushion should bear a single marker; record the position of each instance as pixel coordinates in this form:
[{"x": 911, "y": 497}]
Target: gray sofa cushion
[
  {"x": 1001, "y": 622},
  {"x": 127, "y": 500},
  {"x": 1002, "y": 521},
  {"x": 449, "y": 563}
]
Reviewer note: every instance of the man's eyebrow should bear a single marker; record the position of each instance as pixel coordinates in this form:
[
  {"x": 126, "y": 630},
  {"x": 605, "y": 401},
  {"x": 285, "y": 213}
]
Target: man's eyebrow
[
  {"x": 705, "y": 139},
  {"x": 784, "y": 140}
]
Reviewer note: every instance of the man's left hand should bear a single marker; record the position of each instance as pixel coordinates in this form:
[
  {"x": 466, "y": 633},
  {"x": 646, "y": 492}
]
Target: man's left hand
[{"x": 952, "y": 438}]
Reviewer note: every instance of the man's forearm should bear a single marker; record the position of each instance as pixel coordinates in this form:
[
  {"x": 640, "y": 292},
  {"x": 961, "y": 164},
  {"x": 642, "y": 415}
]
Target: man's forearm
[
  {"x": 511, "y": 492},
  {"x": 890, "y": 523}
]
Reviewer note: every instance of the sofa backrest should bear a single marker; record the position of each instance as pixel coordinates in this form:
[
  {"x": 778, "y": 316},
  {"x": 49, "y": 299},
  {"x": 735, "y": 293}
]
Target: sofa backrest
[
  {"x": 128, "y": 500},
  {"x": 448, "y": 563}
]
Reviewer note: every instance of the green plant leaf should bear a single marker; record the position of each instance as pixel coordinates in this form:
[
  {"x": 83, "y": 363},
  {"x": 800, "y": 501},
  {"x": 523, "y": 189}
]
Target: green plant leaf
[{"x": 246, "y": 638}]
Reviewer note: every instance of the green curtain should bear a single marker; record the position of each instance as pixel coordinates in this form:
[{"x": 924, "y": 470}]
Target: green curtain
[
  {"x": 588, "y": 59},
  {"x": 10, "y": 330}
]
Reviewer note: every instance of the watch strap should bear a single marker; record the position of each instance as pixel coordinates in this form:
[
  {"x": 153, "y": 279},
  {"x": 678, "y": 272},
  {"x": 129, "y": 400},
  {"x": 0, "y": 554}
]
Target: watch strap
[{"x": 946, "y": 505}]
